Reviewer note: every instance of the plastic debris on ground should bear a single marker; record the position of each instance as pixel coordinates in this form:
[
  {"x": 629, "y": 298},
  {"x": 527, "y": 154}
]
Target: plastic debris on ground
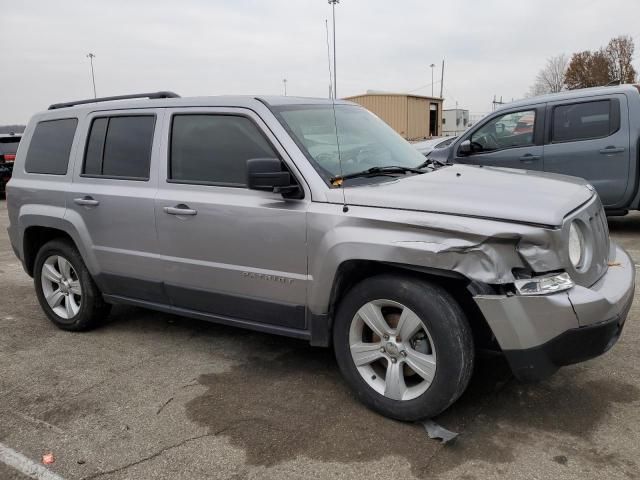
[{"x": 438, "y": 432}]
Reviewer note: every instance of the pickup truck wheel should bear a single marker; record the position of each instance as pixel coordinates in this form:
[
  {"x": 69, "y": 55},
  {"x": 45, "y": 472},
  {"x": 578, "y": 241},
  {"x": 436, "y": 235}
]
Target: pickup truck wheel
[
  {"x": 65, "y": 289},
  {"x": 404, "y": 346}
]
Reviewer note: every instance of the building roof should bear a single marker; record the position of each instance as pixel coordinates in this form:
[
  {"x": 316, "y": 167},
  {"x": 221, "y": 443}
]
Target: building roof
[{"x": 372, "y": 93}]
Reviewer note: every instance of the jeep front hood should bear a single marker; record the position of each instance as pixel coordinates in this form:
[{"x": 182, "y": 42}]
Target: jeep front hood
[{"x": 520, "y": 196}]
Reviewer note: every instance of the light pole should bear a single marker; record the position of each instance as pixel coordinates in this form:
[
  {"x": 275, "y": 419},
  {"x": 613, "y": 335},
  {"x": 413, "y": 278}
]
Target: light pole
[
  {"x": 333, "y": 6},
  {"x": 284, "y": 82},
  {"x": 91, "y": 56},
  {"x": 432, "y": 67}
]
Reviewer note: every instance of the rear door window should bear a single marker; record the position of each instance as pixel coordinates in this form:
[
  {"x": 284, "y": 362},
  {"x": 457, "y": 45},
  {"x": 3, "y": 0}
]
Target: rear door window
[
  {"x": 120, "y": 147},
  {"x": 582, "y": 121},
  {"x": 50, "y": 146}
]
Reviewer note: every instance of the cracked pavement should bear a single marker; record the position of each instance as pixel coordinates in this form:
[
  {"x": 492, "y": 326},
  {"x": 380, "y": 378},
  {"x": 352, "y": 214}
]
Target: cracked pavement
[{"x": 156, "y": 396}]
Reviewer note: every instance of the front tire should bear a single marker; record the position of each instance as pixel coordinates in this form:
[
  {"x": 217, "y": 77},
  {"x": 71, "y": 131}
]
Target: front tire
[
  {"x": 66, "y": 292},
  {"x": 404, "y": 346}
]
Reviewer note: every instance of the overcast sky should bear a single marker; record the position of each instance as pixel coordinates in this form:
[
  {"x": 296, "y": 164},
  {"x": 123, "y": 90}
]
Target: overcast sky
[{"x": 212, "y": 47}]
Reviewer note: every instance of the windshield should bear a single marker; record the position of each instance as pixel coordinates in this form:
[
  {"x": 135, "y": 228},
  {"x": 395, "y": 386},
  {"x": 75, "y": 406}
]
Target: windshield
[{"x": 365, "y": 141}]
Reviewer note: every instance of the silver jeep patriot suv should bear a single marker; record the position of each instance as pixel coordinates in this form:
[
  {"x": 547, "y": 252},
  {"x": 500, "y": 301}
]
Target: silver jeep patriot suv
[{"x": 313, "y": 219}]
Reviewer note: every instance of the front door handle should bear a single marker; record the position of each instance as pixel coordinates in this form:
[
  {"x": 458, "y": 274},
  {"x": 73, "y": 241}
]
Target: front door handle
[
  {"x": 86, "y": 201},
  {"x": 180, "y": 209},
  {"x": 611, "y": 149},
  {"x": 529, "y": 158}
]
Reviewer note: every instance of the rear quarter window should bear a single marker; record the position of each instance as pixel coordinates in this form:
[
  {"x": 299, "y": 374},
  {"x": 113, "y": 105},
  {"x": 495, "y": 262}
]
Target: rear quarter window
[{"x": 50, "y": 146}]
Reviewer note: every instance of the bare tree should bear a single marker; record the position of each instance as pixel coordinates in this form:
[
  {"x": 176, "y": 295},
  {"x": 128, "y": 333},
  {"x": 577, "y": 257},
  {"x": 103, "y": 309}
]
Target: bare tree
[
  {"x": 587, "y": 69},
  {"x": 550, "y": 79},
  {"x": 619, "y": 54}
]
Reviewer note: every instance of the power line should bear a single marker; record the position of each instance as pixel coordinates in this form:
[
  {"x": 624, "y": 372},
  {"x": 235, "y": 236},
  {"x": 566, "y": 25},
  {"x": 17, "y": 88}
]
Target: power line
[{"x": 423, "y": 86}]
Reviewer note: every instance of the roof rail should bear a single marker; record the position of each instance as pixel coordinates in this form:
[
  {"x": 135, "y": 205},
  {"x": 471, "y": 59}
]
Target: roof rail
[{"x": 117, "y": 97}]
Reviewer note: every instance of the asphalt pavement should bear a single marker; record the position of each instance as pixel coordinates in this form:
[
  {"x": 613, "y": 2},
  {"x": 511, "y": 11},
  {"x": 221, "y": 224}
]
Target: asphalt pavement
[{"x": 157, "y": 396}]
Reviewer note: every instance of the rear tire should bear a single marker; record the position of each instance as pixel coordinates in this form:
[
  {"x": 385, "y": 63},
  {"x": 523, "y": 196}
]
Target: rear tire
[
  {"x": 409, "y": 378},
  {"x": 66, "y": 292}
]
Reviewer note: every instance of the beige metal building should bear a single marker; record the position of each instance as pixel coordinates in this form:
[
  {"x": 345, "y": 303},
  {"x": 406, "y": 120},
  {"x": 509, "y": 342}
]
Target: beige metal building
[{"x": 412, "y": 116}]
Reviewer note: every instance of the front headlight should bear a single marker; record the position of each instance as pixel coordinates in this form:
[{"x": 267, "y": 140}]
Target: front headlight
[
  {"x": 576, "y": 245},
  {"x": 555, "y": 283}
]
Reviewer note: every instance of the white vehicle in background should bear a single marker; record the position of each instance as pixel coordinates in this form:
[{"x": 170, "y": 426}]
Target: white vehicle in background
[{"x": 427, "y": 146}]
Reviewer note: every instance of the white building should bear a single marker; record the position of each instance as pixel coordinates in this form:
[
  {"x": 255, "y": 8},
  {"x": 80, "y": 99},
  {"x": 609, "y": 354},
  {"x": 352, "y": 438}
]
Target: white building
[{"x": 454, "y": 121}]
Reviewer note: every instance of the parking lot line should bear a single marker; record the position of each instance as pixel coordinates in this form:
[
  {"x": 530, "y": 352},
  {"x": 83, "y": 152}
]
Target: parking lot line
[{"x": 22, "y": 464}]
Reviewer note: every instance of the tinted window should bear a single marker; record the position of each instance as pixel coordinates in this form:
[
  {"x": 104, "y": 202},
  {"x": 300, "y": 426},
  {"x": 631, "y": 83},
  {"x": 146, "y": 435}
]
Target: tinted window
[
  {"x": 581, "y": 121},
  {"x": 215, "y": 148},
  {"x": 9, "y": 145},
  {"x": 95, "y": 147},
  {"x": 511, "y": 130},
  {"x": 120, "y": 147},
  {"x": 50, "y": 146}
]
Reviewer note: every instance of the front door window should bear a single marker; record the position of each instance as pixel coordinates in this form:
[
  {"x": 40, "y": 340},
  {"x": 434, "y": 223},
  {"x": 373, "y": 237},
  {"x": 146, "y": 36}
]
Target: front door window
[{"x": 511, "y": 130}]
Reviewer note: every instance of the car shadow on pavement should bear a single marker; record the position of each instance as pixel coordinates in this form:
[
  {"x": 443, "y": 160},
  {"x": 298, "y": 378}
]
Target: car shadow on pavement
[
  {"x": 289, "y": 400},
  {"x": 630, "y": 223}
]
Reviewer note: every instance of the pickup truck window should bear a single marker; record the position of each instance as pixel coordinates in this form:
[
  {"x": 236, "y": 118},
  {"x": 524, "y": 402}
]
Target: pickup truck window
[
  {"x": 50, "y": 146},
  {"x": 515, "y": 129},
  {"x": 581, "y": 121},
  {"x": 120, "y": 147},
  {"x": 365, "y": 140},
  {"x": 214, "y": 149}
]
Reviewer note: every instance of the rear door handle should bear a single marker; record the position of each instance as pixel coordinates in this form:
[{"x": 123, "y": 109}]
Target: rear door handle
[
  {"x": 611, "y": 149},
  {"x": 181, "y": 209},
  {"x": 529, "y": 158},
  {"x": 86, "y": 201}
]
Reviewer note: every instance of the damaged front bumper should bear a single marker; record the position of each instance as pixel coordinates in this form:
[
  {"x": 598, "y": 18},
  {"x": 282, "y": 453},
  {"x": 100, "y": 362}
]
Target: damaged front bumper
[{"x": 539, "y": 334}]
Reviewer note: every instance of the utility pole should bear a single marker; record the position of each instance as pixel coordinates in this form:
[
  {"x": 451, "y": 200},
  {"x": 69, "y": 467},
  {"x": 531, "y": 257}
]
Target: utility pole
[
  {"x": 284, "y": 82},
  {"x": 335, "y": 87},
  {"x": 497, "y": 102},
  {"x": 442, "y": 78},
  {"x": 91, "y": 56},
  {"x": 432, "y": 67}
]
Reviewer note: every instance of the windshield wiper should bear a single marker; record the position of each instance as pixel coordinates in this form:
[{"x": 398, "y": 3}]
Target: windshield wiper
[
  {"x": 374, "y": 171},
  {"x": 430, "y": 161}
]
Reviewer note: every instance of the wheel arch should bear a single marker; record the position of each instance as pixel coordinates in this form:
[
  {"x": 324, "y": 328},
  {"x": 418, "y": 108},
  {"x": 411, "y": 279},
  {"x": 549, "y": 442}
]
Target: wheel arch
[
  {"x": 350, "y": 272},
  {"x": 38, "y": 230}
]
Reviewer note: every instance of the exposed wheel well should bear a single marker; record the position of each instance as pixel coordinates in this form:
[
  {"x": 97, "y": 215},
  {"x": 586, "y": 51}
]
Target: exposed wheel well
[
  {"x": 34, "y": 238},
  {"x": 353, "y": 271}
]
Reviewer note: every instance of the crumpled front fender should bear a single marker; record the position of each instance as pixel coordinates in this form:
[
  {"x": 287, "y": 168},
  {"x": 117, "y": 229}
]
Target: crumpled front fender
[{"x": 482, "y": 250}]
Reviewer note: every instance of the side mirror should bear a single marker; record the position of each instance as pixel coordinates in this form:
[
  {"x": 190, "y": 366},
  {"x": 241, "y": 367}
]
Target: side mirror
[
  {"x": 465, "y": 148},
  {"x": 267, "y": 174}
]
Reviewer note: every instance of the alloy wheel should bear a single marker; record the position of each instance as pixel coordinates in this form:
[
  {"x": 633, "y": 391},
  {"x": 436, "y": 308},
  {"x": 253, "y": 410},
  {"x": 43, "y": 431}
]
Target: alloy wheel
[
  {"x": 392, "y": 349},
  {"x": 61, "y": 286}
]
